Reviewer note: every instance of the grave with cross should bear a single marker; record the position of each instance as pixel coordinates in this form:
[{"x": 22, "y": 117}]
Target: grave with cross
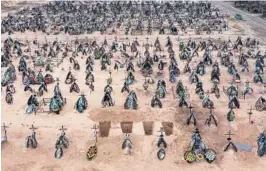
[
  {"x": 32, "y": 127},
  {"x": 246, "y": 86},
  {"x": 207, "y": 93},
  {"x": 211, "y": 117},
  {"x": 95, "y": 133},
  {"x": 4, "y": 128},
  {"x": 229, "y": 142},
  {"x": 82, "y": 94},
  {"x": 57, "y": 80},
  {"x": 110, "y": 72},
  {"x": 191, "y": 115},
  {"x": 40, "y": 71},
  {"x": 247, "y": 83},
  {"x": 249, "y": 115},
  {"x": 145, "y": 84},
  {"x": 93, "y": 150},
  {"x": 127, "y": 41},
  {"x": 161, "y": 131},
  {"x": 63, "y": 129},
  {"x": 3, "y": 133}
]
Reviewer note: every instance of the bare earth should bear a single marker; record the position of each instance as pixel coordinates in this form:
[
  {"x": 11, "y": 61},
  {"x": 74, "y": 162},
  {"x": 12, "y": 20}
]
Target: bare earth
[{"x": 15, "y": 157}]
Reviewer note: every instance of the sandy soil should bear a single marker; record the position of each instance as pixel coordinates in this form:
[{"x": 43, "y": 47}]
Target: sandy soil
[{"x": 110, "y": 156}]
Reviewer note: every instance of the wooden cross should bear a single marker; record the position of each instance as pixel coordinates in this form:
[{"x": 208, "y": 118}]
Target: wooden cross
[
  {"x": 95, "y": 132},
  {"x": 161, "y": 130},
  {"x": 229, "y": 135},
  {"x": 125, "y": 78},
  {"x": 63, "y": 129},
  {"x": 32, "y": 127},
  {"x": 190, "y": 107},
  {"x": 4, "y": 126},
  {"x": 110, "y": 72},
  {"x": 230, "y": 142},
  {"x": 211, "y": 110},
  {"x": 196, "y": 130},
  {"x": 147, "y": 39},
  {"x": 82, "y": 94},
  {"x": 57, "y": 80},
  {"x": 87, "y": 39},
  {"x": 250, "y": 113},
  {"x": 211, "y": 117},
  {"x": 128, "y": 41},
  {"x": 173, "y": 90}
]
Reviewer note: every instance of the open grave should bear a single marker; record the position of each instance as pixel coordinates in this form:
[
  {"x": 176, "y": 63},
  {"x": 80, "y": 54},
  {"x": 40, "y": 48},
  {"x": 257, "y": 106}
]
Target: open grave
[
  {"x": 104, "y": 128},
  {"x": 148, "y": 127},
  {"x": 126, "y": 127},
  {"x": 168, "y": 128}
]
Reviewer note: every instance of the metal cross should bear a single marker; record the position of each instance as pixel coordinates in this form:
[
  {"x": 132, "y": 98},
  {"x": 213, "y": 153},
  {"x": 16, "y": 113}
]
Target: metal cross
[{"x": 211, "y": 110}]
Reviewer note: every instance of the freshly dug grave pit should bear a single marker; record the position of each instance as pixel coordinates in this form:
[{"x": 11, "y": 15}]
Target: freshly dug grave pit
[
  {"x": 126, "y": 127},
  {"x": 118, "y": 114},
  {"x": 168, "y": 128},
  {"x": 104, "y": 128},
  {"x": 148, "y": 127}
]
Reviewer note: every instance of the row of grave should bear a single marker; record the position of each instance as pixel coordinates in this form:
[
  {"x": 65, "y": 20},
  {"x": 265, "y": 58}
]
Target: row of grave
[{"x": 149, "y": 128}]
